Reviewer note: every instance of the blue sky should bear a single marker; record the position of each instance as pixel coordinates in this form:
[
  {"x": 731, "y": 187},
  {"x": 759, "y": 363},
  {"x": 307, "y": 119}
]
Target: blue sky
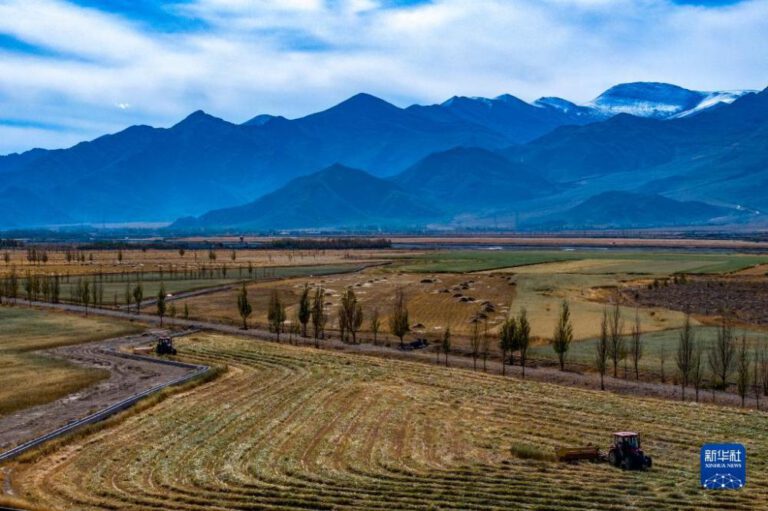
[{"x": 71, "y": 70}]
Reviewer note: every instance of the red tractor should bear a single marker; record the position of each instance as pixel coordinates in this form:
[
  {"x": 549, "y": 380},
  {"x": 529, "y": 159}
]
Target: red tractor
[{"x": 627, "y": 453}]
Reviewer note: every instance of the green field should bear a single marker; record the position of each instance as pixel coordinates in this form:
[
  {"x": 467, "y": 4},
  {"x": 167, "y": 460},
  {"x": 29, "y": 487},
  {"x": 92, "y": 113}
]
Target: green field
[
  {"x": 630, "y": 262},
  {"x": 115, "y": 285},
  {"x": 582, "y": 353},
  {"x": 30, "y": 378}
]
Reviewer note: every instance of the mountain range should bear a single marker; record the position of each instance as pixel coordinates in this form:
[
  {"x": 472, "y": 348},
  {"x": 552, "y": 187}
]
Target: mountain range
[{"x": 694, "y": 157}]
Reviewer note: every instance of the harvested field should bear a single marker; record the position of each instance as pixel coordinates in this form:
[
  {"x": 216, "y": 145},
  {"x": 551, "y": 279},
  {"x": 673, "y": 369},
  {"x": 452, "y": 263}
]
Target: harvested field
[
  {"x": 744, "y": 299},
  {"x": 437, "y": 300},
  {"x": 296, "y": 428},
  {"x": 31, "y": 378},
  {"x": 434, "y": 301},
  {"x": 108, "y": 261}
]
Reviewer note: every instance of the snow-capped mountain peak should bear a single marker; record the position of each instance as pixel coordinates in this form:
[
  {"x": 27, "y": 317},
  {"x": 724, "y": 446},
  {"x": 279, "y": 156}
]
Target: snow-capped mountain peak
[{"x": 659, "y": 100}]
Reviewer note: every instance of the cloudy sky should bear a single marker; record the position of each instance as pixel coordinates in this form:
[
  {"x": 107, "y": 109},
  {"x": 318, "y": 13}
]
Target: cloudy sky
[{"x": 72, "y": 70}]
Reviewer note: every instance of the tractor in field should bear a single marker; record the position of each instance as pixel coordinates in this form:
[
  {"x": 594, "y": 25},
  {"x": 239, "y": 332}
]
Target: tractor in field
[
  {"x": 624, "y": 452},
  {"x": 165, "y": 346},
  {"x": 627, "y": 453}
]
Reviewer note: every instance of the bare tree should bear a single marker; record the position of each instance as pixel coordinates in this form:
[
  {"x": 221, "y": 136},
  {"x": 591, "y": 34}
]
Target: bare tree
[
  {"x": 318, "y": 315},
  {"x": 244, "y": 307},
  {"x": 474, "y": 341},
  {"x": 305, "y": 310},
  {"x": 743, "y": 365},
  {"x": 722, "y": 353},
  {"x": 697, "y": 367},
  {"x": 757, "y": 386},
  {"x": 399, "y": 324},
  {"x": 350, "y": 315},
  {"x": 138, "y": 295},
  {"x": 486, "y": 344},
  {"x": 276, "y": 313},
  {"x": 602, "y": 349},
  {"x": 161, "y": 305},
  {"x": 375, "y": 324},
  {"x": 172, "y": 312},
  {"x": 685, "y": 350},
  {"x": 662, "y": 361},
  {"x": 523, "y": 337},
  {"x": 446, "y": 344},
  {"x": 342, "y": 324},
  {"x": 561, "y": 340},
  {"x": 507, "y": 339},
  {"x": 85, "y": 294},
  {"x": 636, "y": 346},
  {"x": 616, "y": 347},
  {"x": 764, "y": 367}
]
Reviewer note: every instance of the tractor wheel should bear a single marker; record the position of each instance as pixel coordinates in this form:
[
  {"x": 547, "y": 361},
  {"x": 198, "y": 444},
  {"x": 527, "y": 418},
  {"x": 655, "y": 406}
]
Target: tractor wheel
[
  {"x": 648, "y": 462},
  {"x": 626, "y": 464},
  {"x": 612, "y": 458}
]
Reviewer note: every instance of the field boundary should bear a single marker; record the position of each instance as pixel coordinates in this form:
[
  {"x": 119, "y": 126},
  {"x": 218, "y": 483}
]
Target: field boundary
[{"x": 197, "y": 370}]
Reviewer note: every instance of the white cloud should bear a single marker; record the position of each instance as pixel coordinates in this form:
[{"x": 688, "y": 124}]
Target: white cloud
[{"x": 296, "y": 56}]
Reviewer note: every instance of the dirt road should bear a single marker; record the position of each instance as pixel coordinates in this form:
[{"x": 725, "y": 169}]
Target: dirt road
[
  {"x": 546, "y": 374},
  {"x": 127, "y": 378}
]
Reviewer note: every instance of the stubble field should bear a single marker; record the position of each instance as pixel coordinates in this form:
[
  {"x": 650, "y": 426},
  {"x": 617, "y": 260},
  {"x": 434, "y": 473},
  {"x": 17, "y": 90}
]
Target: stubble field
[{"x": 297, "y": 428}]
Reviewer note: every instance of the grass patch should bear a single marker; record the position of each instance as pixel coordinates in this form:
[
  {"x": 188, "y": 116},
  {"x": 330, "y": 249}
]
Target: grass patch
[
  {"x": 36, "y": 454},
  {"x": 31, "y": 379}
]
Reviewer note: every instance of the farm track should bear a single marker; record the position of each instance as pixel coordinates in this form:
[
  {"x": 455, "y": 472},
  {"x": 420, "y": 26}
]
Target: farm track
[
  {"x": 295, "y": 428},
  {"x": 129, "y": 376},
  {"x": 546, "y": 374}
]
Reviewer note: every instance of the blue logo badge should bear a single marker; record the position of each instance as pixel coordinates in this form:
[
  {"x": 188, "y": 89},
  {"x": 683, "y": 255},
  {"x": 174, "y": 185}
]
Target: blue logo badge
[{"x": 723, "y": 466}]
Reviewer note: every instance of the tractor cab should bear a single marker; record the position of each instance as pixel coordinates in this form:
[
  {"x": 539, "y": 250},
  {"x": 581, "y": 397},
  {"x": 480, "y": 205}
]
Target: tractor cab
[
  {"x": 626, "y": 440},
  {"x": 165, "y": 346},
  {"x": 626, "y": 452}
]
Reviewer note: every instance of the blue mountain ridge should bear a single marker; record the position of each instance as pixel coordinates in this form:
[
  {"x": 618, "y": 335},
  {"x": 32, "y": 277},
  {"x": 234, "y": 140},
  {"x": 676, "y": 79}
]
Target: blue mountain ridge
[{"x": 484, "y": 157}]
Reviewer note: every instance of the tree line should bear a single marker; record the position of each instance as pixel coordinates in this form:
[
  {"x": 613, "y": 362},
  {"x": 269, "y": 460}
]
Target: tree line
[{"x": 618, "y": 350}]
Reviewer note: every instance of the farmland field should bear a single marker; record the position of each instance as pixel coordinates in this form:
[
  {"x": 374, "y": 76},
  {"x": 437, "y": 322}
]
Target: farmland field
[
  {"x": 438, "y": 299},
  {"x": 297, "y": 428},
  {"x": 619, "y": 261},
  {"x": 135, "y": 260},
  {"x": 583, "y": 353},
  {"x": 433, "y": 302},
  {"x": 115, "y": 286},
  {"x": 29, "y": 378}
]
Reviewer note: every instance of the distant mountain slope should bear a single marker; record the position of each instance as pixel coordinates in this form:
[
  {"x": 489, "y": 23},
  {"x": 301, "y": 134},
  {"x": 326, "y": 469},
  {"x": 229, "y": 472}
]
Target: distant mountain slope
[
  {"x": 20, "y": 208},
  {"x": 628, "y": 143},
  {"x": 204, "y": 163},
  {"x": 700, "y": 147},
  {"x": 367, "y": 132},
  {"x": 517, "y": 120},
  {"x": 338, "y": 196},
  {"x": 466, "y": 179},
  {"x": 619, "y": 210}
]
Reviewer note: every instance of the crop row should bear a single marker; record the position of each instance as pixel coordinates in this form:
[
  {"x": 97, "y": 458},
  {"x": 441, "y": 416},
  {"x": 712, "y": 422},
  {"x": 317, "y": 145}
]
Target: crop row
[{"x": 297, "y": 428}]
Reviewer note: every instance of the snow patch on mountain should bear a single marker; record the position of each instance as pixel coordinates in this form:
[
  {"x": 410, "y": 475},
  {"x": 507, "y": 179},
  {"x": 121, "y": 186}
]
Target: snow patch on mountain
[{"x": 659, "y": 100}]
